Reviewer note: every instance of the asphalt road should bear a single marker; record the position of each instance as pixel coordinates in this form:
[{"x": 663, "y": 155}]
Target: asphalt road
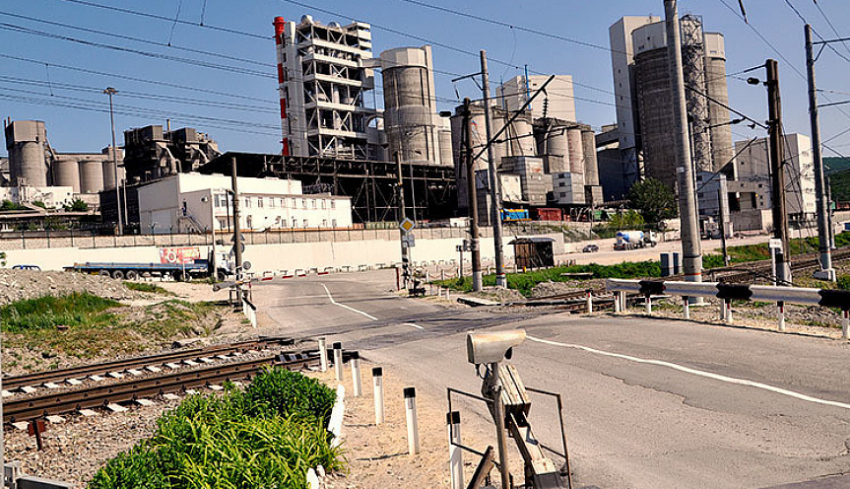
[{"x": 649, "y": 403}]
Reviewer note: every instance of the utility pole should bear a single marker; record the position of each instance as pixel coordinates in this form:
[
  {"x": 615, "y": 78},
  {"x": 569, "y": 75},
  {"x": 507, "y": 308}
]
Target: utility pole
[
  {"x": 237, "y": 234},
  {"x": 691, "y": 252},
  {"x": 826, "y": 271},
  {"x": 495, "y": 184},
  {"x": 111, "y": 91},
  {"x": 777, "y": 158},
  {"x": 405, "y": 259},
  {"x": 474, "y": 251}
]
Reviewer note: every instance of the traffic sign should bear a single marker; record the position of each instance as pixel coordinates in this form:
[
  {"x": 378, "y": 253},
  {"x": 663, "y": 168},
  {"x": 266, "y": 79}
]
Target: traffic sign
[
  {"x": 775, "y": 243},
  {"x": 406, "y": 225},
  {"x": 408, "y": 241}
]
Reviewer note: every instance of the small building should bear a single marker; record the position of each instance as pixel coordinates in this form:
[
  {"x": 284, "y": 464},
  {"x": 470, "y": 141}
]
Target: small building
[
  {"x": 568, "y": 188},
  {"x": 191, "y": 202},
  {"x": 534, "y": 252}
]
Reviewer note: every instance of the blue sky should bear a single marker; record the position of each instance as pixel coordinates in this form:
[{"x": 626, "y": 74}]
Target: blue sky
[{"x": 35, "y": 90}]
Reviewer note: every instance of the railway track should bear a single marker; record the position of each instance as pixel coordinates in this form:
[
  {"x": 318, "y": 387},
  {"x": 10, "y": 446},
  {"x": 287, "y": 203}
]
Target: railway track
[
  {"x": 101, "y": 396},
  {"x": 117, "y": 368}
]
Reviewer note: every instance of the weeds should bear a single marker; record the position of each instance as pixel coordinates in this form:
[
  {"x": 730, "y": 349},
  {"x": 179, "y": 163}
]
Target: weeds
[
  {"x": 148, "y": 287},
  {"x": 263, "y": 437},
  {"x": 72, "y": 310}
]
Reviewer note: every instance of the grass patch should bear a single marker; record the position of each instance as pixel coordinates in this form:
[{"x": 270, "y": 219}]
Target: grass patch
[
  {"x": 148, "y": 287},
  {"x": 758, "y": 252},
  {"x": 267, "y": 436},
  {"x": 78, "y": 309},
  {"x": 94, "y": 326}
]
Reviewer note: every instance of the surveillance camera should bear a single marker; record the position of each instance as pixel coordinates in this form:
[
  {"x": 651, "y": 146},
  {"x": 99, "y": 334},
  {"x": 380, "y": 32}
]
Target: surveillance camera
[{"x": 486, "y": 348}]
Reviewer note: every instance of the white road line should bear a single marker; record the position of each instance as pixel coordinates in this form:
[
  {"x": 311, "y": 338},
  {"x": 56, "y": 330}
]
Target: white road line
[
  {"x": 414, "y": 325},
  {"x": 700, "y": 373},
  {"x": 373, "y": 318}
]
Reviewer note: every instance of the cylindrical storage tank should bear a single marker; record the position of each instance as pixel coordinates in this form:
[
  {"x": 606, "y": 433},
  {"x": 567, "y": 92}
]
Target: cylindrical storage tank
[
  {"x": 108, "y": 175},
  {"x": 446, "y": 150},
  {"x": 576, "y": 151},
  {"x": 522, "y": 137},
  {"x": 591, "y": 165},
  {"x": 722, "y": 149},
  {"x": 409, "y": 105},
  {"x": 655, "y": 106},
  {"x": 479, "y": 137},
  {"x": 31, "y": 168},
  {"x": 91, "y": 176},
  {"x": 500, "y": 150},
  {"x": 66, "y": 174}
]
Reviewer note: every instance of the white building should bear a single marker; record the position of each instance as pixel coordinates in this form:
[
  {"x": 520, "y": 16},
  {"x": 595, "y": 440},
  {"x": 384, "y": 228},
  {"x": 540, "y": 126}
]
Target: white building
[
  {"x": 753, "y": 166},
  {"x": 189, "y": 202},
  {"x": 51, "y": 197},
  {"x": 559, "y": 99}
]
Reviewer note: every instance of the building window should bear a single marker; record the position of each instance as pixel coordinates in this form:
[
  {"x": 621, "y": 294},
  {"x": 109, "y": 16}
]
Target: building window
[
  {"x": 283, "y": 202},
  {"x": 294, "y": 222},
  {"x": 306, "y": 223},
  {"x": 333, "y": 222},
  {"x": 313, "y": 203},
  {"x": 333, "y": 204},
  {"x": 259, "y": 201},
  {"x": 324, "y": 204},
  {"x": 324, "y": 223},
  {"x": 247, "y": 203},
  {"x": 249, "y": 221},
  {"x": 282, "y": 222},
  {"x": 271, "y": 202},
  {"x": 303, "y": 203}
]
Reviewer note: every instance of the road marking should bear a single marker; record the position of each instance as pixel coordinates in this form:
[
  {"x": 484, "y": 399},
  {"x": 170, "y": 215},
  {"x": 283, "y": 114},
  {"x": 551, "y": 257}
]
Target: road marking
[
  {"x": 700, "y": 373},
  {"x": 373, "y": 318},
  {"x": 414, "y": 325}
]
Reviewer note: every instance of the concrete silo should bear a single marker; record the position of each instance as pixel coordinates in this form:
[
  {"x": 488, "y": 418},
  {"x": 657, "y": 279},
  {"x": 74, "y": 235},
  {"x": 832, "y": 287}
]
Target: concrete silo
[
  {"x": 591, "y": 165},
  {"x": 446, "y": 147},
  {"x": 715, "y": 73},
  {"x": 25, "y": 141},
  {"x": 410, "y": 114},
  {"x": 552, "y": 145},
  {"x": 576, "y": 146},
  {"x": 66, "y": 173},
  {"x": 91, "y": 176}
]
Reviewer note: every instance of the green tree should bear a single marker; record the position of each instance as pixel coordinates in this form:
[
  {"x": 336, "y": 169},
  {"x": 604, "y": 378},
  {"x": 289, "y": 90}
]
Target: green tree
[
  {"x": 653, "y": 200},
  {"x": 630, "y": 219},
  {"x": 39, "y": 203},
  {"x": 78, "y": 205},
  {"x": 8, "y": 205}
]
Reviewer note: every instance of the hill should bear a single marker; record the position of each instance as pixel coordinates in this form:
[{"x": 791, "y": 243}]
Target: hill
[
  {"x": 835, "y": 165},
  {"x": 840, "y": 184}
]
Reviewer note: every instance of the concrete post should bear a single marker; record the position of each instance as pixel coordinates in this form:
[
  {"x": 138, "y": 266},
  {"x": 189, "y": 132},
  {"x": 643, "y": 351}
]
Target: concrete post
[
  {"x": 590, "y": 302},
  {"x": 455, "y": 452},
  {"x": 323, "y": 353},
  {"x": 728, "y": 304},
  {"x": 412, "y": 423},
  {"x": 338, "y": 362},
  {"x": 495, "y": 194},
  {"x": 780, "y": 306},
  {"x": 648, "y": 304},
  {"x": 845, "y": 324},
  {"x": 378, "y": 393},
  {"x": 617, "y": 309},
  {"x": 355, "y": 374},
  {"x": 686, "y": 307}
]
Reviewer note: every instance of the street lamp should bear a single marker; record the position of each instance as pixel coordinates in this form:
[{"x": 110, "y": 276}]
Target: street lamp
[{"x": 111, "y": 91}]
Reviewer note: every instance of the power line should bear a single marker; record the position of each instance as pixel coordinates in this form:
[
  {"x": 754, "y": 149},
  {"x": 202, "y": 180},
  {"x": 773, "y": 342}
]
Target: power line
[
  {"x": 190, "y": 61},
  {"x": 168, "y": 19},
  {"x": 138, "y": 39}
]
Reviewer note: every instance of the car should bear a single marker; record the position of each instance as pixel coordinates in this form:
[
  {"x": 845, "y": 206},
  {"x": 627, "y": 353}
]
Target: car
[
  {"x": 27, "y": 267},
  {"x": 591, "y": 248}
]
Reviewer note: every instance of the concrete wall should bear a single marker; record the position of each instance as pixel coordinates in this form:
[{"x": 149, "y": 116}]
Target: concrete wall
[{"x": 316, "y": 250}]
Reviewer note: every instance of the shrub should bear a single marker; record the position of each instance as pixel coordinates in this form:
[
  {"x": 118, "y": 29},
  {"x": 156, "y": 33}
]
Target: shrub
[
  {"x": 844, "y": 282},
  {"x": 280, "y": 392},
  {"x": 75, "y": 309}
]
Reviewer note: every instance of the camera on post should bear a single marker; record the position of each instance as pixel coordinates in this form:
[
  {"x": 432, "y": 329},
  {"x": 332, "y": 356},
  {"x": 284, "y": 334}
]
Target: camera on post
[{"x": 487, "y": 348}]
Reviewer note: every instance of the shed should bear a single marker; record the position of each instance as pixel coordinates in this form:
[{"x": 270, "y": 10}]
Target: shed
[{"x": 533, "y": 252}]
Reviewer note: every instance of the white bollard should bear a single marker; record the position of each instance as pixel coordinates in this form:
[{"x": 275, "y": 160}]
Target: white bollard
[
  {"x": 686, "y": 307},
  {"x": 781, "y": 310},
  {"x": 378, "y": 393},
  {"x": 728, "y": 304},
  {"x": 845, "y": 324},
  {"x": 447, "y": 294},
  {"x": 590, "y": 302},
  {"x": 455, "y": 452},
  {"x": 338, "y": 362},
  {"x": 412, "y": 423},
  {"x": 648, "y": 304},
  {"x": 323, "y": 353},
  {"x": 617, "y": 308},
  {"x": 723, "y": 310},
  {"x": 355, "y": 373}
]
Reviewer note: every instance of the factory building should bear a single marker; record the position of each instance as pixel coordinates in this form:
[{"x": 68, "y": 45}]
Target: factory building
[
  {"x": 39, "y": 173},
  {"x": 324, "y": 75},
  {"x": 415, "y": 131},
  {"x": 191, "y": 202},
  {"x": 558, "y": 102},
  {"x": 644, "y": 108},
  {"x": 152, "y": 153}
]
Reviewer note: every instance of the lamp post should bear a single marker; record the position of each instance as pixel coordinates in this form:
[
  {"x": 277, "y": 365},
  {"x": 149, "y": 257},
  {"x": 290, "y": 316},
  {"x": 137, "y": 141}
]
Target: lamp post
[{"x": 111, "y": 91}]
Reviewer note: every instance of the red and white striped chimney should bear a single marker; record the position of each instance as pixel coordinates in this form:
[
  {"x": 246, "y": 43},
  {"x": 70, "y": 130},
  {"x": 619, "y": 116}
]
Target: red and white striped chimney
[{"x": 279, "y": 25}]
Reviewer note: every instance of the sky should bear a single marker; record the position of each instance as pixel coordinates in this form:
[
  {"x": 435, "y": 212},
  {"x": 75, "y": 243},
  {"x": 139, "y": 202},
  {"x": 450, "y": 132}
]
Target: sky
[{"x": 229, "y": 90}]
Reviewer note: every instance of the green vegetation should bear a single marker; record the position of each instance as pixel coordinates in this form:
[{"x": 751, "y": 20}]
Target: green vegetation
[
  {"x": 836, "y": 164},
  {"x": 78, "y": 205},
  {"x": 525, "y": 282},
  {"x": 39, "y": 203},
  {"x": 148, "y": 287},
  {"x": 84, "y": 326},
  {"x": 628, "y": 220},
  {"x": 653, "y": 200},
  {"x": 267, "y": 436},
  {"x": 76, "y": 309},
  {"x": 756, "y": 252},
  {"x": 843, "y": 282},
  {"x": 8, "y": 205}
]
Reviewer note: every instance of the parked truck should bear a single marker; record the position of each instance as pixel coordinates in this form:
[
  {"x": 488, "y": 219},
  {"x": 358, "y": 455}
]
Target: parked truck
[
  {"x": 187, "y": 270},
  {"x": 630, "y": 240}
]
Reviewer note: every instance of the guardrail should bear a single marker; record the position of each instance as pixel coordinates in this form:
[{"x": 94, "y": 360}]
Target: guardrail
[{"x": 728, "y": 292}]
